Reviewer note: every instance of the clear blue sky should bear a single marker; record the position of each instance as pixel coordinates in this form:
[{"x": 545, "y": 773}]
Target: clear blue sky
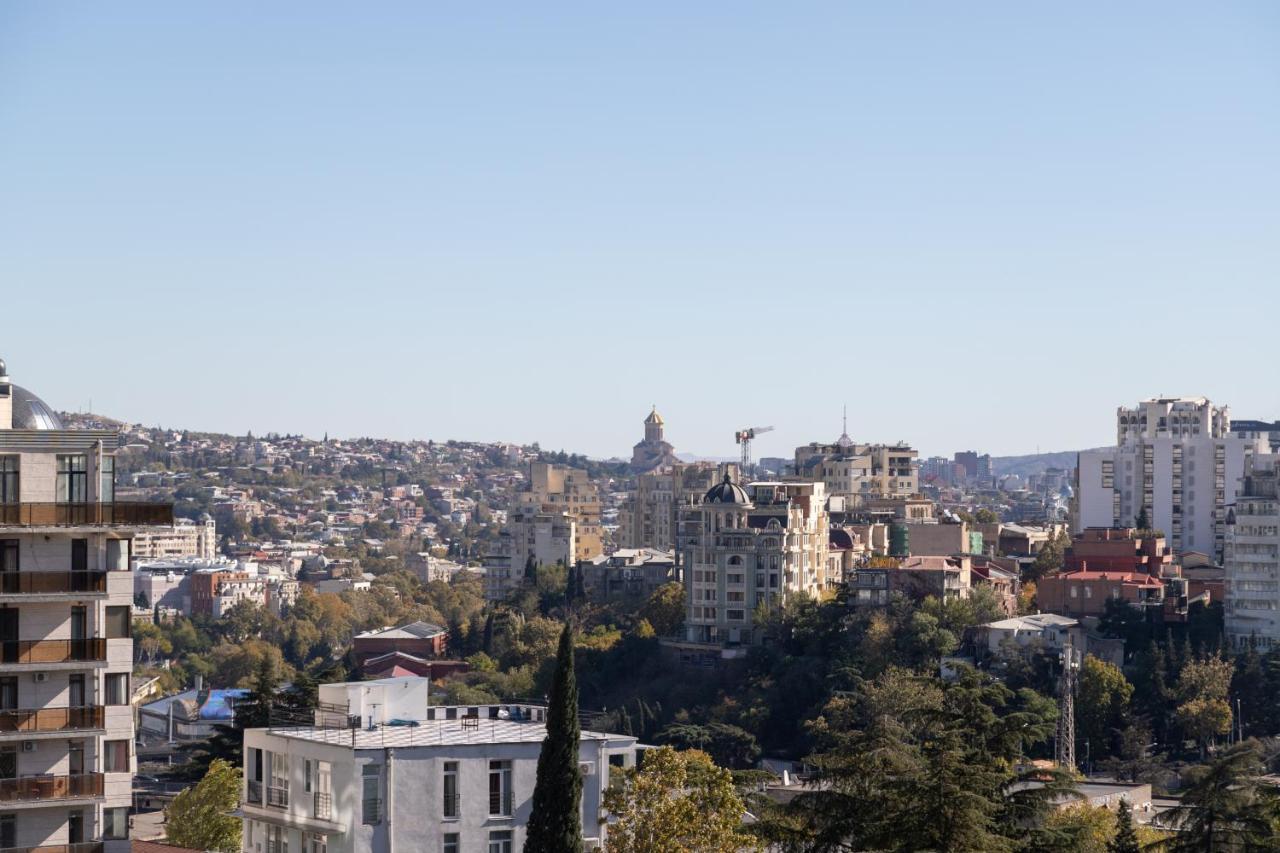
[{"x": 981, "y": 225}]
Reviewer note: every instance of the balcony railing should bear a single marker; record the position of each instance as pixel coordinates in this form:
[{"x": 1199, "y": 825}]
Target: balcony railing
[
  {"x": 35, "y": 583},
  {"x": 324, "y": 805},
  {"x": 371, "y": 811},
  {"x": 82, "y": 847},
  {"x": 277, "y": 796},
  {"x": 52, "y": 719},
  {"x": 50, "y": 787},
  {"x": 53, "y": 651},
  {"x": 255, "y": 792},
  {"x": 452, "y": 802},
  {"x": 69, "y": 514}
]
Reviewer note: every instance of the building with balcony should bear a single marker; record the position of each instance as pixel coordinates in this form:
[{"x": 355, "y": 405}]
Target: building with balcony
[
  {"x": 1085, "y": 593},
  {"x": 66, "y": 593},
  {"x": 647, "y": 518},
  {"x": 751, "y": 547},
  {"x": 628, "y": 574},
  {"x": 381, "y": 771},
  {"x": 1251, "y": 584},
  {"x": 856, "y": 472},
  {"x": 1177, "y": 459}
]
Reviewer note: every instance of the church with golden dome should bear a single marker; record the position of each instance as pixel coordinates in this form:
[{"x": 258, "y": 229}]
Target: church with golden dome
[{"x": 654, "y": 451}]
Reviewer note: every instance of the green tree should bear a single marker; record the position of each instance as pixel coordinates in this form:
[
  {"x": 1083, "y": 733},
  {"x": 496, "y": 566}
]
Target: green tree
[
  {"x": 676, "y": 802},
  {"x": 555, "y": 825},
  {"x": 1049, "y": 560},
  {"x": 1226, "y": 808},
  {"x": 983, "y": 515},
  {"x": 201, "y": 816},
  {"x": 1126, "y": 838},
  {"x": 665, "y": 609},
  {"x": 1102, "y": 705},
  {"x": 1142, "y": 521}
]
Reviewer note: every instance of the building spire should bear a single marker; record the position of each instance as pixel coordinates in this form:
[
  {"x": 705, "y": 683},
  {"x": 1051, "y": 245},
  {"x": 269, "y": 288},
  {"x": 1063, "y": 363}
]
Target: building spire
[{"x": 844, "y": 440}]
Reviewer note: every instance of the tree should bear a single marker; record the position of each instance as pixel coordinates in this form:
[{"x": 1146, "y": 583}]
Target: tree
[
  {"x": 676, "y": 801},
  {"x": 1226, "y": 807},
  {"x": 1126, "y": 838},
  {"x": 1142, "y": 521},
  {"x": 1102, "y": 704},
  {"x": 665, "y": 609},
  {"x": 984, "y": 515},
  {"x": 1050, "y": 557},
  {"x": 200, "y": 817},
  {"x": 729, "y": 746},
  {"x": 555, "y": 825}
]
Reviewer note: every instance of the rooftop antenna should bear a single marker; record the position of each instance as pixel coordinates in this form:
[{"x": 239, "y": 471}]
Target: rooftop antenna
[{"x": 1066, "y": 741}]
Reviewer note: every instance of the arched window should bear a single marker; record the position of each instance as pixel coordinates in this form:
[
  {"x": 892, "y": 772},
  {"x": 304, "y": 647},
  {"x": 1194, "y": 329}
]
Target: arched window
[{"x": 735, "y": 560}]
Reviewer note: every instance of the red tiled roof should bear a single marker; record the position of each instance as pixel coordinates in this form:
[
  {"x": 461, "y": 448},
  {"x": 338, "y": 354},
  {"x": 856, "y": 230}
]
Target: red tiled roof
[{"x": 1138, "y": 578}]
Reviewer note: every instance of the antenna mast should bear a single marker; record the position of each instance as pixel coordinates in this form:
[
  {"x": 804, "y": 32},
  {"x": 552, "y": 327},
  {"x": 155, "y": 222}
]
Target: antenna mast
[{"x": 1066, "y": 746}]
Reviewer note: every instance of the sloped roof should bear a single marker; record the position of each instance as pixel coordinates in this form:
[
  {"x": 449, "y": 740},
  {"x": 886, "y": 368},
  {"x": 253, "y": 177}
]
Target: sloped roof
[{"x": 413, "y": 631}]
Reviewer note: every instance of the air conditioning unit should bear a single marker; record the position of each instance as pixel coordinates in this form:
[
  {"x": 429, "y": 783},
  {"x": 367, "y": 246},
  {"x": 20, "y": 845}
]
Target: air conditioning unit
[
  {"x": 40, "y": 677},
  {"x": 29, "y": 745},
  {"x": 587, "y": 768}
]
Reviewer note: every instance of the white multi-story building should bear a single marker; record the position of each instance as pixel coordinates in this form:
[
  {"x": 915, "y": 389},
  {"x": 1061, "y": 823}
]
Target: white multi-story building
[
  {"x": 748, "y": 548},
  {"x": 66, "y": 592},
  {"x": 1252, "y": 559},
  {"x": 1175, "y": 457},
  {"x": 439, "y": 780}
]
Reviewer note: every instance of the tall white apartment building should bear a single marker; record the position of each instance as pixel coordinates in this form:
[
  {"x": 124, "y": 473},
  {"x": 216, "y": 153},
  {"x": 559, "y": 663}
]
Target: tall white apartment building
[
  {"x": 66, "y": 725},
  {"x": 1177, "y": 458},
  {"x": 459, "y": 781},
  {"x": 747, "y": 547},
  {"x": 1252, "y": 558}
]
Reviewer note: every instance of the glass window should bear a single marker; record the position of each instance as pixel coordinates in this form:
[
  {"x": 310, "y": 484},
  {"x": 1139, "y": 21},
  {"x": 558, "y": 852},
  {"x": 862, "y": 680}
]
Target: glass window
[
  {"x": 451, "y": 803},
  {"x": 73, "y": 479},
  {"x": 451, "y": 843},
  {"x": 371, "y": 794},
  {"x": 119, "y": 626},
  {"x": 116, "y": 688},
  {"x": 500, "y": 788},
  {"x": 115, "y": 823},
  {"x": 115, "y": 756},
  {"x": 107, "y": 480},
  {"x": 8, "y": 555},
  {"x": 8, "y": 479},
  {"x": 500, "y": 841}
]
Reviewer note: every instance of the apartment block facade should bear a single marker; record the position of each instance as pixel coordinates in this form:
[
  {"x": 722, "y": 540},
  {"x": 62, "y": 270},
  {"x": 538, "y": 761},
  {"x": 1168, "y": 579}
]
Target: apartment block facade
[
  {"x": 66, "y": 592},
  {"x": 1252, "y": 559},
  {"x": 1177, "y": 459},
  {"x": 856, "y": 472},
  {"x": 744, "y": 548},
  {"x": 460, "y": 781}
]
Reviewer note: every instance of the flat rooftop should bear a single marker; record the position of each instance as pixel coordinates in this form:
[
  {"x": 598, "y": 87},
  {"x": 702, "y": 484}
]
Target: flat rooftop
[{"x": 433, "y": 733}]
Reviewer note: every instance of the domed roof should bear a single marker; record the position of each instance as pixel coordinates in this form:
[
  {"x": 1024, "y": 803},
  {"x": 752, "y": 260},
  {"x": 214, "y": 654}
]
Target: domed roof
[
  {"x": 30, "y": 412},
  {"x": 726, "y": 492},
  {"x": 654, "y": 418}
]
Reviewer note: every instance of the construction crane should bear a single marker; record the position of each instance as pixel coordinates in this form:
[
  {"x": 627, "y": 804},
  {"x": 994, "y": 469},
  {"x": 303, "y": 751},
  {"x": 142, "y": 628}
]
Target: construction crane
[{"x": 743, "y": 437}]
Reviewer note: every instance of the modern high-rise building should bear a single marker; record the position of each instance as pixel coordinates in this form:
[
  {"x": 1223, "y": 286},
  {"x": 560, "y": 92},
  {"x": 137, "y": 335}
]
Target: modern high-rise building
[
  {"x": 1252, "y": 558},
  {"x": 561, "y": 489},
  {"x": 743, "y": 548},
  {"x": 648, "y": 517},
  {"x": 1177, "y": 459},
  {"x": 66, "y": 593}
]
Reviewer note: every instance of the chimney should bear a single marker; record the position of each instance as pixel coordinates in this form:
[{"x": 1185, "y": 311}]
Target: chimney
[{"x": 6, "y": 398}]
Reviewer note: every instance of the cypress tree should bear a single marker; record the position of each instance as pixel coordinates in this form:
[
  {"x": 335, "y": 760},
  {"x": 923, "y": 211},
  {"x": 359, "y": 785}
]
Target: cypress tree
[
  {"x": 556, "y": 825},
  {"x": 1126, "y": 838}
]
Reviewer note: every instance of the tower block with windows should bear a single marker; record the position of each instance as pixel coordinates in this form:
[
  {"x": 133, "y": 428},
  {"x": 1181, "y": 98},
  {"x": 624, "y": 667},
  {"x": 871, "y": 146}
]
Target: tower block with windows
[{"x": 66, "y": 725}]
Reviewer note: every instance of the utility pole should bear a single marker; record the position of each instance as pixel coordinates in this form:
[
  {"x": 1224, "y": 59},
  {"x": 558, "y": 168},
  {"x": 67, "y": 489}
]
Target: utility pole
[{"x": 1066, "y": 740}]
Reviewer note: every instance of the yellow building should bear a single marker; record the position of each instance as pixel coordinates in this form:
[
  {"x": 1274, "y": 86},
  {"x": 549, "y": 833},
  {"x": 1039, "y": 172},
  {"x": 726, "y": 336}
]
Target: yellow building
[{"x": 558, "y": 488}]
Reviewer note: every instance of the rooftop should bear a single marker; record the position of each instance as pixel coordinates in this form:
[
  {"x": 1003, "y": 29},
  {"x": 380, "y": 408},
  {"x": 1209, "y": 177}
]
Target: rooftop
[
  {"x": 412, "y": 631},
  {"x": 458, "y": 732}
]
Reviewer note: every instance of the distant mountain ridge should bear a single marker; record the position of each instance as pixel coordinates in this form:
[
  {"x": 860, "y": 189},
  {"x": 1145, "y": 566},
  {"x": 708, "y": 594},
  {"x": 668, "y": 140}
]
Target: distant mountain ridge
[{"x": 1034, "y": 463}]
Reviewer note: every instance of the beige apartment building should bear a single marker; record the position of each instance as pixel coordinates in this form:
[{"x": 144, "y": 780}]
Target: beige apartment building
[
  {"x": 559, "y": 489},
  {"x": 66, "y": 653},
  {"x": 185, "y": 538},
  {"x": 857, "y": 472},
  {"x": 648, "y": 518},
  {"x": 529, "y": 537},
  {"x": 744, "y": 548}
]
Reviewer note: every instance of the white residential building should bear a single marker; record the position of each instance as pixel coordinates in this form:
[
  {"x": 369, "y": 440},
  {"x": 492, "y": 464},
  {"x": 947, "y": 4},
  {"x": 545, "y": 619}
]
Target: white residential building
[
  {"x": 1177, "y": 458},
  {"x": 184, "y": 538},
  {"x": 459, "y": 780},
  {"x": 1252, "y": 559},
  {"x": 66, "y": 593}
]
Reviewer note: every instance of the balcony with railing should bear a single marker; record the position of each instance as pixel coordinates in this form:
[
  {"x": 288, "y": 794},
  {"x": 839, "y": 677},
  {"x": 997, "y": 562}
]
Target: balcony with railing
[
  {"x": 77, "y": 583},
  {"x": 45, "y": 788},
  {"x": 254, "y": 793},
  {"x": 323, "y": 805},
  {"x": 37, "y": 720},
  {"x": 452, "y": 805},
  {"x": 81, "y": 847},
  {"x": 120, "y": 513},
  {"x": 88, "y": 650},
  {"x": 500, "y": 804},
  {"x": 278, "y": 796}
]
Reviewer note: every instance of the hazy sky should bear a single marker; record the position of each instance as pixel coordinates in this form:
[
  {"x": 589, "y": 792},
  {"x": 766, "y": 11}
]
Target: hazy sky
[{"x": 980, "y": 225}]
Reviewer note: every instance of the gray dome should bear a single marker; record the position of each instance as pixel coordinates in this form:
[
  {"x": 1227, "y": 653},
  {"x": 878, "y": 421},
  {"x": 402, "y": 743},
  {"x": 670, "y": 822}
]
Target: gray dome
[
  {"x": 726, "y": 492},
  {"x": 30, "y": 412}
]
